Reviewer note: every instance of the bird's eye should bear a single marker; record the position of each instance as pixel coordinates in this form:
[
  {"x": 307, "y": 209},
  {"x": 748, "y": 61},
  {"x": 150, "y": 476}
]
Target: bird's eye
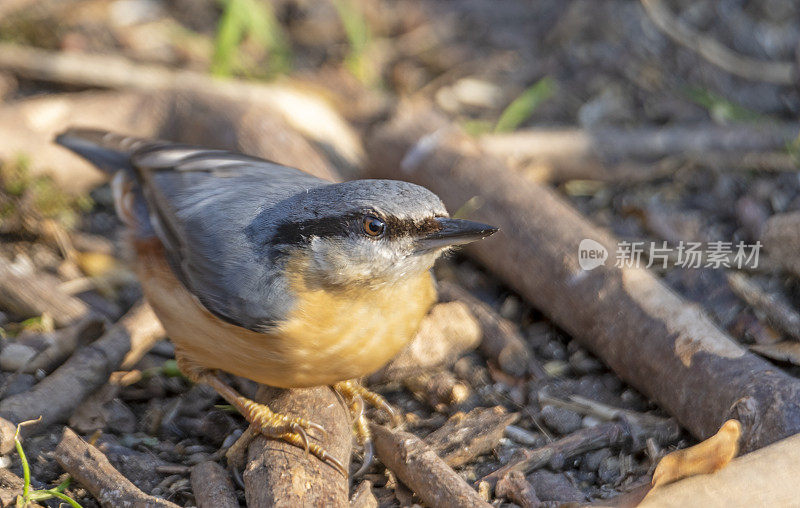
[{"x": 373, "y": 226}]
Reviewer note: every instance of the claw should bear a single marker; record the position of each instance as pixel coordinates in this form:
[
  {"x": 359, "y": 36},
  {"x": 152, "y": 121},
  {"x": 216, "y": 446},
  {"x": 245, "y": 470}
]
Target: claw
[
  {"x": 298, "y": 429},
  {"x": 332, "y": 461},
  {"x": 394, "y": 415},
  {"x": 357, "y": 408},
  {"x": 319, "y": 428},
  {"x": 369, "y": 456}
]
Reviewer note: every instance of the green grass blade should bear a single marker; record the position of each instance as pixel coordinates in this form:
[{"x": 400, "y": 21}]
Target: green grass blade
[
  {"x": 523, "y": 106},
  {"x": 230, "y": 32}
]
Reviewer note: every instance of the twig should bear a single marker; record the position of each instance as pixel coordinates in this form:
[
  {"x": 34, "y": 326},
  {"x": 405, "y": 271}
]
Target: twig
[
  {"x": 446, "y": 332},
  {"x": 422, "y": 470},
  {"x": 616, "y": 154},
  {"x": 516, "y": 488},
  {"x": 779, "y": 73},
  {"x": 56, "y": 396},
  {"x": 466, "y": 436},
  {"x": 27, "y": 294},
  {"x": 776, "y": 310},
  {"x": 66, "y": 341},
  {"x": 282, "y": 474},
  {"x": 363, "y": 496},
  {"x": 642, "y": 425},
  {"x": 585, "y": 440},
  {"x": 92, "y": 469},
  {"x": 11, "y": 486},
  {"x": 212, "y": 486},
  {"x": 501, "y": 340}
]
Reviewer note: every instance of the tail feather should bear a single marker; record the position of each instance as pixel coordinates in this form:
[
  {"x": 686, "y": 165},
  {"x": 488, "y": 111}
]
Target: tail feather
[
  {"x": 106, "y": 150},
  {"x": 112, "y": 153}
]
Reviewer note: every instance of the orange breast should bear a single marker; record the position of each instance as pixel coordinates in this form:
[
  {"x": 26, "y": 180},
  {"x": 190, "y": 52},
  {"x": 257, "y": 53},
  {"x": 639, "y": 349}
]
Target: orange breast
[{"x": 326, "y": 338}]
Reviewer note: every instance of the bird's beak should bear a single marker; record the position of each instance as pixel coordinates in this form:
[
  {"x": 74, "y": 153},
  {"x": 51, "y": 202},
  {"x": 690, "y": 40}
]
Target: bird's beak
[{"x": 454, "y": 232}]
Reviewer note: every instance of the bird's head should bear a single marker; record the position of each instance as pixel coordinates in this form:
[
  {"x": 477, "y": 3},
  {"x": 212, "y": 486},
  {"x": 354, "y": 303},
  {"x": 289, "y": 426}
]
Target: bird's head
[{"x": 369, "y": 232}]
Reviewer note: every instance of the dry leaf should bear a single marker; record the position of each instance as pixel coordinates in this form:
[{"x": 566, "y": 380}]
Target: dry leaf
[{"x": 711, "y": 455}]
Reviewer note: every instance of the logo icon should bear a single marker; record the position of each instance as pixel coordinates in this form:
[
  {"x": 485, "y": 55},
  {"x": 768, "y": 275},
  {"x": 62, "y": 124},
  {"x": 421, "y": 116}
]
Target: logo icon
[{"x": 591, "y": 254}]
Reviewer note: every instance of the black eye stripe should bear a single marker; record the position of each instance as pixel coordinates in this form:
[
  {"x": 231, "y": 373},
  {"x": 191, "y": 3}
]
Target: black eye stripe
[{"x": 300, "y": 232}]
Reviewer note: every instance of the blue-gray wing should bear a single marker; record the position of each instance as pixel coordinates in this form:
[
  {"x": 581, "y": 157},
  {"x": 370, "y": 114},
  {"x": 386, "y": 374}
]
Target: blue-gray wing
[{"x": 203, "y": 205}]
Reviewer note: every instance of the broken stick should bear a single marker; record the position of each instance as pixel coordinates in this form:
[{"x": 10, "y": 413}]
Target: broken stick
[
  {"x": 466, "y": 436},
  {"x": 422, "y": 470},
  {"x": 28, "y": 294},
  {"x": 92, "y": 469},
  {"x": 56, "y": 396},
  {"x": 282, "y": 474},
  {"x": 664, "y": 346},
  {"x": 615, "y": 154},
  {"x": 212, "y": 486}
]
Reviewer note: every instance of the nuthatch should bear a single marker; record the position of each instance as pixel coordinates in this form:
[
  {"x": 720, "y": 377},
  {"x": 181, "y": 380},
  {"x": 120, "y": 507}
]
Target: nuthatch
[{"x": 272, "y": 274}]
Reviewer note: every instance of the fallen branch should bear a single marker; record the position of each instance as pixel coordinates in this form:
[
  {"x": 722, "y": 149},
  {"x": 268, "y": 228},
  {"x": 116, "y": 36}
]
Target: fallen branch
[
  {"x": 466, "y": 436},
  {"x": 279, "y": 473},
  {"x": 613, "y": 154},
  {"x": 446, "y": 332},
  {"x": 664, "y": 346},
  {"x": 501, "y": 339},
  {"x": 779, "y": 73},
  {"x": 10, "y": 489},
  {"x": 421, "y": 469},
  {"x": 92, "y": 469},
  {"x": 306, "y": 112},
  {"x": 641, "y": 425},
  {"x": 212, "y": 486},
  {"x": 585, "y": 440},
  {"x": 767, "y": 477},
  {"x": 363, "y": 496},
  {"x": 516, "y": 489},
  {"x": 163, "y": 114},
  {"x": 56, "y": 396},
  {"x": 777, "y": 311},
  {"x": 26, "y": 294}
]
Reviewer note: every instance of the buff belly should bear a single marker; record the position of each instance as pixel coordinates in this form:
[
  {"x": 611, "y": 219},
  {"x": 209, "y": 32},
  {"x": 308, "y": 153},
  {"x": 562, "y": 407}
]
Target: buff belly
[{"x": 328, "y": 337}]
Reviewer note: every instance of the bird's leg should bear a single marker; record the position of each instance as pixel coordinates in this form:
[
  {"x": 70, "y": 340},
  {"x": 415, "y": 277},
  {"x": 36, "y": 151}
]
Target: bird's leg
[
  {"x": 356, "y": 395},
  {"x": 273, "y": 425}
]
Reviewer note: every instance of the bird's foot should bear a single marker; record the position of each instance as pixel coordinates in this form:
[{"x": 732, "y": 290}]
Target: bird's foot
[
  {"x": 263, "y": 420},
  {"x": 355, "y": 395},
  {"x": 292, "y": 430}
]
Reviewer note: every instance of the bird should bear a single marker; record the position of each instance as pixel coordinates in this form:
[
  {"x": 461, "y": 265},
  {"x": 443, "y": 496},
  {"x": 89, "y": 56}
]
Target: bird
[{"x": 269, "y": 273}]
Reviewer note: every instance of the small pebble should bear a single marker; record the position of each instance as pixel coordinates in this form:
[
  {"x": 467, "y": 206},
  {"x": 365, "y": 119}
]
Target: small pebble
[
  {"x": 560, "y": 420},
  {"x": 592, "y": 460},
  {"x": 524, "y": 437},
  {"x": 556, "y": 368},
  {"x": 15, "y": 356},
  {"x": 608, "y": 471}
]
